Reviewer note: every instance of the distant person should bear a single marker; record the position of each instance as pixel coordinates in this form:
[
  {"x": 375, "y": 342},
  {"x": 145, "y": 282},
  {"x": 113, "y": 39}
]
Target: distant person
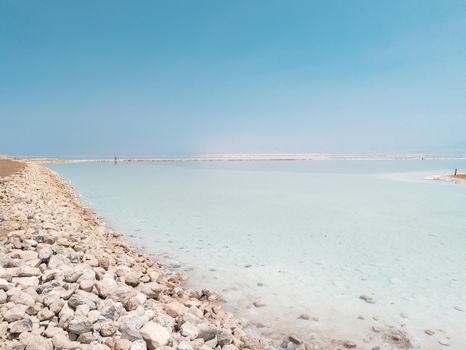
[
  {"x": 456, "y": 170},
  {"x": 115, "y": 160}
]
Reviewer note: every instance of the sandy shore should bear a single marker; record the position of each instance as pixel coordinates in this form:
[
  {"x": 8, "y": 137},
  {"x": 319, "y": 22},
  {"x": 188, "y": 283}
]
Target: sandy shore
[
  {"x": 9, "y": 167},
  {"x": 69, "y": 282}
]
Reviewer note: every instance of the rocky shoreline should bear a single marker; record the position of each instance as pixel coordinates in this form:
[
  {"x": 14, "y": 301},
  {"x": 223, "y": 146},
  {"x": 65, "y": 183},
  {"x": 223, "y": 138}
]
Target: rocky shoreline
[{"x": 69, "y": 282}]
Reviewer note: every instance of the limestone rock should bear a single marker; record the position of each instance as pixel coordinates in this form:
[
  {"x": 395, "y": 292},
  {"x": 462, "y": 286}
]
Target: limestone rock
[
  {"x": 184, "y": 345},
  {"x": 130, "y": 325},
  {"x": 155, "y": 335},
  {"x": 105, "y": 287},
  {"x": 16, "y": 313},
  {"x": 175, "y": 309},
  {"x": 80, "y": 325},
  {"x": 125, "y": 344},
  {"x": 138, "y": 345},
  {"x": 132, "y": 278},
  {"x": 3, "y": 297},
  {"x": 24, "y": 325},
  {"x": 189, "y": 330},
  {"x": 45, "y": 314},
  {"x": 152, "y": 289},
  {"x": 37, "y": 342}
]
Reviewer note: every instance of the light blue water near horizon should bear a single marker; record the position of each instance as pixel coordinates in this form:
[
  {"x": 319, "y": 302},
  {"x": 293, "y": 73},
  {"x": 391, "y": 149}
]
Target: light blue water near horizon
[{"x": 303, "y": 237}]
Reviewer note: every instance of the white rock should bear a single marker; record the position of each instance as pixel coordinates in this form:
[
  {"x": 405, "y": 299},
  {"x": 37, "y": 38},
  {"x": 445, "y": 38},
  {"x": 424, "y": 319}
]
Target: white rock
[
  {"x": 22, "y": 298},
  {"x": 175, "y": 309},
  {"x": 4, "y": 284},
  {"x": 155, "y": 335},
  {"x": 79, "y": 325},
  {"x": 27, "y": 271},
  {"x": 105, "y": 287},
  {"x": 45, "y": 253},
  {"x": 59, "y": 262},
  {"x": 86, "y": 285},
  {"x": 16, "y": 313},
  {"x": 36, "y": 342},
  {"x": 108, "y": 328},
  {"x": 93, "y": 316},
  {"x": 81, "y": 310},
  {"x": 65, "y": 316},
  {"x": 184, "y": 345},
  {"x": 129, "y": 326},
  {"x": 189, "y": 330},
  {"x": 3, "y": 297},
  {"x": 99, "y": 347},
  {"x": 45, "y": 314},
  {"x": 139, "y": 345},
  {"x": 25, "y": 254},
  {"x": 152, "y": 289},
  {"x": 51, "y": 331},
  {"x": 24, "y": 325},
  {"x": 61, "y": 341},
  {"x": 125, "y": 344},
  {"x": 132, "y": 278}
]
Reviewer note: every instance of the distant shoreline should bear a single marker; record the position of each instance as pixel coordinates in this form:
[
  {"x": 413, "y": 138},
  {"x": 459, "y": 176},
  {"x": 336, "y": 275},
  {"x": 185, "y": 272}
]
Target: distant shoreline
[{"x": 247, "y": 157}]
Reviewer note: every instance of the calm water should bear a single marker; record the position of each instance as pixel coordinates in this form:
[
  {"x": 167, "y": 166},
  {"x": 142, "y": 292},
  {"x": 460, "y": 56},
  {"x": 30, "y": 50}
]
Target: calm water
[{"x": 303, "y": 237}]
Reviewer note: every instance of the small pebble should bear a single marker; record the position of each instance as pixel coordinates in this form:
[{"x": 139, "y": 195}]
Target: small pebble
[
  {"x": 349, "y": 344},
  {"x": 444, "y": 342},
  {"x": 258, "y": 304},
  {"x": 367, "y": 299}
]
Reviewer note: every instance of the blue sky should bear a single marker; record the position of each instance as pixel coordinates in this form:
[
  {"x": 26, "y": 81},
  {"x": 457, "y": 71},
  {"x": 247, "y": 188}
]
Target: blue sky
[{"x": 152, "y": 78}]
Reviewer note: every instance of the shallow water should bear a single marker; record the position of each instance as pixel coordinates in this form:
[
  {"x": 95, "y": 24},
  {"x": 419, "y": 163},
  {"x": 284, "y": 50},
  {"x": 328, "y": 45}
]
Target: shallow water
[{"x": 303, "y": 237}]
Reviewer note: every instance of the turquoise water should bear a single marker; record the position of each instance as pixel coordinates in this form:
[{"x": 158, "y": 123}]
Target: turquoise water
[{"x": 303, "y": 237}]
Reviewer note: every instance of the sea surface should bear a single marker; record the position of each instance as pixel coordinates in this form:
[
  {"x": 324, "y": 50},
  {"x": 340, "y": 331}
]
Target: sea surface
[{"x": 303, "y": 237}]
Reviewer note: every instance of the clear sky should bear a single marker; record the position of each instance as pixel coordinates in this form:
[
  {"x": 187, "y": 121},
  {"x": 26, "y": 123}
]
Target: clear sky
[{"x": 183, "y": 77}]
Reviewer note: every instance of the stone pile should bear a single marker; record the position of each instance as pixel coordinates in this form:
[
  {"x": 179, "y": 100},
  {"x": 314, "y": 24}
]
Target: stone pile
[{"x": 68, "y": 282}]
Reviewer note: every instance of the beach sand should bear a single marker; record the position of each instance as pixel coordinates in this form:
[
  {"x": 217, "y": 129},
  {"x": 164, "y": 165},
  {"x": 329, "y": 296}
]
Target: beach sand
[
  {"x": 458, "y": 178},
  {"x": 9, "y": 167}
]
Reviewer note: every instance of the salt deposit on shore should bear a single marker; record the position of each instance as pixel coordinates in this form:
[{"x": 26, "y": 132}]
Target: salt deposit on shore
[
  {"x": 459, "y": 178},
  {"x": 68, "y": 282}
]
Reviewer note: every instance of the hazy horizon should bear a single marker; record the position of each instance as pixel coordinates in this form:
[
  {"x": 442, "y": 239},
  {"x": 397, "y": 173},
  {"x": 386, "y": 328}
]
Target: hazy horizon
[{"x": 154, "y": 78}]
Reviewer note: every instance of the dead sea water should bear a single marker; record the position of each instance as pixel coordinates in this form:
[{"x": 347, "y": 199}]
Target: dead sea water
[{"x": 369, "y": 251}]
